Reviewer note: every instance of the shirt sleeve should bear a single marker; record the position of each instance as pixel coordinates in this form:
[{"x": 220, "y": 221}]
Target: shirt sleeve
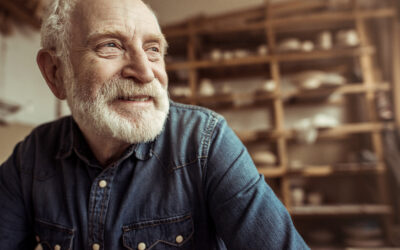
[
  {"x": 246, "y": 212},
  {"x": 15, "y": 229}
]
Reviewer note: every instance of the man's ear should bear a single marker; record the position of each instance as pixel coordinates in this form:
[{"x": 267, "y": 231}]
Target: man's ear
[{"x": 50, "y": 67}]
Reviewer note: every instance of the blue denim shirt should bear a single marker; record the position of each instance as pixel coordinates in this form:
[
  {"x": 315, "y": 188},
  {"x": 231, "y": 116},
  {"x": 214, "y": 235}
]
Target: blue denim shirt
[{"x": 194, "y": 187}]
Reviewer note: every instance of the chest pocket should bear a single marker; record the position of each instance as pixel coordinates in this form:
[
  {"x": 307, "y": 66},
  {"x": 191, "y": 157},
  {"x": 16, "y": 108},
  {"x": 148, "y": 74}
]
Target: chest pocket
[
  {"x": 52, "y": 236},
  {"x": 164, "y": 234}
]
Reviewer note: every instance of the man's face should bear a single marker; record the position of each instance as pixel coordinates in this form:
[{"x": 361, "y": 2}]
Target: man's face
[{"x": 116, "y": 80}]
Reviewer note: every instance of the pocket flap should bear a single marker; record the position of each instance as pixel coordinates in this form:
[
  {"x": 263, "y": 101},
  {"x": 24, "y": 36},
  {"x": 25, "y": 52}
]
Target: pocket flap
[
  {"x": 51, "y": 234},
  {"x": 173, "y": 231}
]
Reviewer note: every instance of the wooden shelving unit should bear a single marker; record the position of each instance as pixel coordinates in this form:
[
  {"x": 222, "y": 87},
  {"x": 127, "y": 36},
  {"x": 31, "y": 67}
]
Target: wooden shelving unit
[{"x": 189, "y": 55}]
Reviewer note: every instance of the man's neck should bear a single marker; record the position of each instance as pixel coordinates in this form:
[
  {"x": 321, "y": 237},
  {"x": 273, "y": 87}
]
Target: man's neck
[{"x": 105, "y": 149}]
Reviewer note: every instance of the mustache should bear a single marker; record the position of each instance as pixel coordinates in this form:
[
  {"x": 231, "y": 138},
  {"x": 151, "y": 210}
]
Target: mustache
[{"x": 117, "y": 88}]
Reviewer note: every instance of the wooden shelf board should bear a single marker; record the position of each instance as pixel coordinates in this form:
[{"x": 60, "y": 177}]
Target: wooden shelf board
[
  {"x": 333, "y": 16},
  {"x": 282, "y": 57},
  {"x": 226, "y": 101},
  {"x": 322, "y": 54},
  {"x": 346, "y": 129},
  {"x": 347, "y": 168},
  {"x": 249, "y": 136},
  {"x": 221, "y": 102},
  {"x": 271, "y": 172},
  {"x": 356, "y": 88},
  {"x": 323, "y": 93},
  {"x": 364, "y": 209},
  {"x": 236, "y": 96},
  {"x": 233, "y": 62},
  {"x": 322, "y": 171},
  {"x": 354, "y": 128},
  {"x": 260, "y": 25}
]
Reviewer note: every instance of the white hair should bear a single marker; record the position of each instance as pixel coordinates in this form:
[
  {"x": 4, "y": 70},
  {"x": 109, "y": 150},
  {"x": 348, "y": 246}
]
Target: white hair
[{"x": 56, "y": 27}]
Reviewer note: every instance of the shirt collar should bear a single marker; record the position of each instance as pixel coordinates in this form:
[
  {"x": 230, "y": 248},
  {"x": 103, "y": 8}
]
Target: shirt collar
[
  {"x": 72, "y": 139},
  {"x": 66, "y": 139}
]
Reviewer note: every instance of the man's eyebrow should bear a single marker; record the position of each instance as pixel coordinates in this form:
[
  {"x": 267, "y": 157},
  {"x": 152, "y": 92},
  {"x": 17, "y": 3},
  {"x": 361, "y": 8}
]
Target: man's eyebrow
[
  {"x": 102, "y": 34},
  {"x": 159, "y": 38}
]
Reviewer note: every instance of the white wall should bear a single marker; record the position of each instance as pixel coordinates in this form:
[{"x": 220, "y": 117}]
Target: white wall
[{"x": 20, "y": 79}]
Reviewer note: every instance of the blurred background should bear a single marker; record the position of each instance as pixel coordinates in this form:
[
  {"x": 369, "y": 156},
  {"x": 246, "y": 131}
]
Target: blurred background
[{"x": 310, "y": 86}]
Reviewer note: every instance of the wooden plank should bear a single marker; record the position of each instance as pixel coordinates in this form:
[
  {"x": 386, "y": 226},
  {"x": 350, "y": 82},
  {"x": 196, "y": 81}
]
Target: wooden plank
[
  {"x": 234, "y": 62},
  {"x": 328, "y": 16},
  {"x": 283, "y": 57},
  {"x": 278, "y": 113},
  {"x": 396, "y": 70},
  {"x": 233, "y": 27},
  {"x": 347, "y": 89},
  {"x": 346, "y": 129},
  {"x": 350, "y": 88},
  {"x": 250, "y": 136},
  {"x": 332, "y": 210},
  {"x": 355, "y": 128},
  {"x": 355, "y": 88},
  {"x": 367, "y": 68},
  {"x": 295, "y": 7},
  {"x": 226, "y": 98},
  {"x": 271, "y": 172},
  {"x": 191, "y": 51},
  {"x": 251, "y": 12},
  {"x": 323, "y": 54},
  {"x": 333, "y": 16},
  {"x": 342, "y": 168},
  {"x": 323, "y": 171}
]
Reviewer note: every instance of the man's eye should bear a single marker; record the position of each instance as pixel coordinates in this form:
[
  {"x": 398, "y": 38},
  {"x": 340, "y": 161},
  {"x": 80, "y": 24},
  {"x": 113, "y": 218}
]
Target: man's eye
[
  {"x": 154, "y": 49},
  {"x": 113, "y": 45}
]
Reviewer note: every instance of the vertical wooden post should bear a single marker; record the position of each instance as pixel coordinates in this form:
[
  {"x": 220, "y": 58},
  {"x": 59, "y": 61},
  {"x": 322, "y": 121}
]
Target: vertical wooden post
[
  {"x": 369, "y": 82},
  {"x": 277, "y": 105},
  {"x": 396, "y": 70},
  {"x": 191, "y": 51},
  {"x": 396, "y": 76},
  {"x": 367, "y": 68}
]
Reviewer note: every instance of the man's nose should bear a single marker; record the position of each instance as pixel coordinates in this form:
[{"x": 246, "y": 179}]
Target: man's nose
[{"x": 138, "y": 68}]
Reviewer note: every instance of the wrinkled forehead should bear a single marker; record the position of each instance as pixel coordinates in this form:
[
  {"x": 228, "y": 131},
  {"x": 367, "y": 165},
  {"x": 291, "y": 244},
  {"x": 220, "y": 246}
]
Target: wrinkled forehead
[{"x": 130, "y": 16}]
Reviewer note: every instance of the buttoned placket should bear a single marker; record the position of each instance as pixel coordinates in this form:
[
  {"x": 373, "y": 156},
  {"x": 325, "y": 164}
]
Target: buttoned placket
[
  {"x": 101, "y": 187},
  {"x": 99, "y": 199}
]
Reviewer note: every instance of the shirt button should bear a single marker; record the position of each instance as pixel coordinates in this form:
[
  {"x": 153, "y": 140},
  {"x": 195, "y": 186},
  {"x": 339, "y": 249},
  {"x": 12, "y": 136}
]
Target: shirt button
[
  {"x": 102, "y": 184},
  {"x": 57, "y": 247},
  {"x": 141, "y": 246},
  {"x": 179, "y": 239},
  {"x": 96, "y": 246}
]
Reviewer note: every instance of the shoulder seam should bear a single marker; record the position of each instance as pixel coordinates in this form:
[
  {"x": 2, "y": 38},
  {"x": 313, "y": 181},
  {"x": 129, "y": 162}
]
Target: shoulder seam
[
  {"x": 193, "y": 107},
  {"x": 207, "y": 134}
]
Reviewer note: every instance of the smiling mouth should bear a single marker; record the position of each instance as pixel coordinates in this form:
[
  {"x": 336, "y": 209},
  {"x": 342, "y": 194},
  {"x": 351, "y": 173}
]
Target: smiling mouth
[{"x": 135, "y": 98}]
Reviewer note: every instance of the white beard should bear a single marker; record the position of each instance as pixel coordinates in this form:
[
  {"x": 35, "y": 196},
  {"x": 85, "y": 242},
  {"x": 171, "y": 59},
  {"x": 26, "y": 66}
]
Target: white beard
[{"x": 95, "y": 112}]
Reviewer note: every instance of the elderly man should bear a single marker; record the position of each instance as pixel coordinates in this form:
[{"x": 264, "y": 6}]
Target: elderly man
[{"x": 129, "y": 169}]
